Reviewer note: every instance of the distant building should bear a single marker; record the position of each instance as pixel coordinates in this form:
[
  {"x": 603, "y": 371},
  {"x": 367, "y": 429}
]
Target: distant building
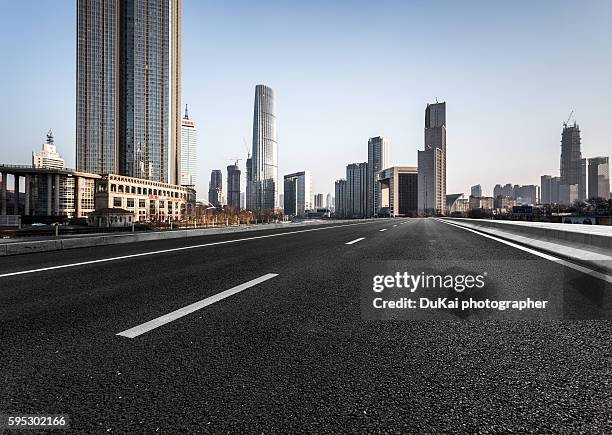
[
  {"x": 329, "y": 201},
  {"x": 568, "y": 193},
  {"x": 318, "y": 200},
  {"x": 546, "y": 189},
  {"x": 573, "y": 167},
  {"x": 48, "y": 158},
  {"x": 555, "y": 182},
  {"x": 378, "y": 159},
  {"x": 527, "y": 194},
  {"x": 215, "y": 188},
  {"x": 264, "y": 161},
  {"x": 504, "y": 204},
  {"x": 599, "y": 177},
  {"x": 341, "y": 198},
  {"x": 432, "y": 162},
  {"x": 399, "y": 191},
  {"x": 357, "y": 189},
  {"x": 297, "y": 188},
  {"x": 476, "y": 191},
  {"x": 481, "y": 203},
  {"x": 233, "y": 186},
  {"x": 189, "y": 152}
]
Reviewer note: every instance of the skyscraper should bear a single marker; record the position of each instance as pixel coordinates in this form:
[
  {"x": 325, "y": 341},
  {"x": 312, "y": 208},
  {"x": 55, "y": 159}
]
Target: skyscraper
[
  {"x": 599, "y": 177},
  {"x": 188, "y": 151},
  {"x": 125, "y": 100},
  {"x": 297, "y": 188},
  {"x": 357, "y": 189},
  {"x": 432, "y": 162},
  {"x": 378, "y": 159},
  {"x": 97, "y": 86},
  {"x": 264, "y": 159},
  {"x": 176, "y": 142},
  {"x": 341, "y": 198},
  {"x": 572, "y": 170},
  {"x": 215, "y": 188},
  {"x": 233, "y": 186}
]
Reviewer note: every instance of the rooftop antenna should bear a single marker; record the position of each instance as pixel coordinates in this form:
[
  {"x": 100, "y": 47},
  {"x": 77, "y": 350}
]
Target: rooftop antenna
[
  {"x": 186, "y": 112},
  {"x": 50, "y": 137}
]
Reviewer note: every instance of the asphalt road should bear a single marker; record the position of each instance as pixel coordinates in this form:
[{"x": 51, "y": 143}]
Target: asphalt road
[{"x": 292, "y": 353}]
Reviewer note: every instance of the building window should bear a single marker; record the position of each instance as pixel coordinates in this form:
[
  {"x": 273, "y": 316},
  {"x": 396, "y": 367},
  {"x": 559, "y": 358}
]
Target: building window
[
  {"x": 141, "y": 203},
  {"x": 113, "y": 187},
  {"x": 116, "y": 201},
  {"x": 130, "y": 203}
]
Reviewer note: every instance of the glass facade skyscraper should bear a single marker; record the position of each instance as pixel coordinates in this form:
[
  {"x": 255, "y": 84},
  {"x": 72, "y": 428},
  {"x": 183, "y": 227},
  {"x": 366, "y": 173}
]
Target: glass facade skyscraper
[
  {"x": 262, "y": 186},
  {"x": 97, "y": 83},
  {"x": 432, "y": 162},
  {"x": 123, "y": 86}
]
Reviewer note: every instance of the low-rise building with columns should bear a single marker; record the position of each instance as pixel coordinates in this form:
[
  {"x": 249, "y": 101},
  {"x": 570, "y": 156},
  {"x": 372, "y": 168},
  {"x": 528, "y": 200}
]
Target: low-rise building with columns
[{"x": 51, "y": 192}]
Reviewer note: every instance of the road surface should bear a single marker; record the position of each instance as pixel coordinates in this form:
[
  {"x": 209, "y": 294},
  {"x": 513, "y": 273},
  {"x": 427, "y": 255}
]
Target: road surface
[{"x": 289, "y": 352}]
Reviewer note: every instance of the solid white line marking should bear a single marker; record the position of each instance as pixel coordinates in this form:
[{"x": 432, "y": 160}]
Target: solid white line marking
[
  {"x": 384, "y": 229},
  {"x": 182, "y": 248},
  {"x": 394, "y": 225},
  {"x": 560, "y": 261},
  {"x": 355, "y": 241},
  {"x": 160, "y": 321}
]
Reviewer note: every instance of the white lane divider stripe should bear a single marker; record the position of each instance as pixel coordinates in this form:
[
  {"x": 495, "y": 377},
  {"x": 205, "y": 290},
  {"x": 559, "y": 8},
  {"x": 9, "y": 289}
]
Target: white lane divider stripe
[
  {"x": 355, "y": 241},
  {"x": 160, "y": 321},
  {"x": 384, "y": 229},
  {"x": 557, "y": 260}
]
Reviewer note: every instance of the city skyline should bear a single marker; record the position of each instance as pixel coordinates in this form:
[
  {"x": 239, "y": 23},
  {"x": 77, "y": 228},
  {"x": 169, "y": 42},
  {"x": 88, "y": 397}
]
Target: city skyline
[{"x": 579, "y": 87}]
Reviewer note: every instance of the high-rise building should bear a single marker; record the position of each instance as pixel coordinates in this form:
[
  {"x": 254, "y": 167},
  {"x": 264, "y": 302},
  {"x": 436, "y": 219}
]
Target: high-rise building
[
  {"x": 264, "y": 160},
  {"x": 176, "y": 159},
  {"x": 357, "y": 189},
  {"x": 128, "y": 87},
  {"x": 248, "y": 196},
  {"x": 599, "y": 177},
  {"x": 341, "y": 198},
  {"x": 476, "y": 191},
  {"x": 188, "y": 152},
  {"x": 215, "y": 188},
  {"x": 297, "y": 188},
  {"x": 318, "y": 200},
  {"x": 546, "y": 189},
  {"x": 432, "y": 162},
  {"x": 572, "y": 166},
  {"x": 329, "y": 201},
  {"x": 233, "y": 186},
  {"x": 48, "y": 157},
  {"x": 378, "y": 159},
  {"x": 399, "y": 191}
]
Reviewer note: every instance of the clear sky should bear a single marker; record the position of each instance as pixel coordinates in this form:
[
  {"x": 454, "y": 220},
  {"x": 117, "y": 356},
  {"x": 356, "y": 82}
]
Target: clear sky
[{"x": 344, "y": 71}]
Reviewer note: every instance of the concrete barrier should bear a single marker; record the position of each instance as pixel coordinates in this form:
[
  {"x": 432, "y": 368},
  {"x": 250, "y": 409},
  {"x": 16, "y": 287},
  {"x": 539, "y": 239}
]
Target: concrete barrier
[
  {"x": 581, "y": 243},
  {"x": 25, "y": 247}
]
